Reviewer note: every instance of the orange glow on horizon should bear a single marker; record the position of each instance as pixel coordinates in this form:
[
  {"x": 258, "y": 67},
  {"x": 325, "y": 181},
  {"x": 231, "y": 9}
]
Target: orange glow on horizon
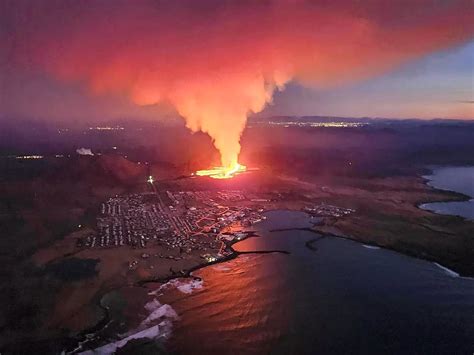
[{"x": 216, "y": 62}]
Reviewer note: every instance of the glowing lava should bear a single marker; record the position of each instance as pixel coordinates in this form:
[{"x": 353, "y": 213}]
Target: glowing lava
[{"x": 221, "y": 172}]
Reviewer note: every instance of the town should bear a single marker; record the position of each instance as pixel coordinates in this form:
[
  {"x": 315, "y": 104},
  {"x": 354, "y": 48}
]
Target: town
[
  {"x": 188, "y": 220},
  {"x": 325, "y": 210}
]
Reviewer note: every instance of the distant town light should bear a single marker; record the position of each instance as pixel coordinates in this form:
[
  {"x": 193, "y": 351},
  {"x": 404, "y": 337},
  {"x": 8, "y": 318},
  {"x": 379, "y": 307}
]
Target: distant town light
[
  {"x": 150, "y": 179},
  {"x": 332, "y": 124},
  {"x": 107, "y": 128},
  {"x": 29, "y": 157}
]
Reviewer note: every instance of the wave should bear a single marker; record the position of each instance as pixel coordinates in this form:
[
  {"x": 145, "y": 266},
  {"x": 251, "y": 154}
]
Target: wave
[
  {"x": 370, "y": 246},
  {"x": 187, "y": 286},
  {"x": 448, "y": 271},
  {"x": 152, "y": 333},
  {"x": 159, "y": 311},
  {"x": 164, "y": 314},
  {"x": 221, "y": 268}
]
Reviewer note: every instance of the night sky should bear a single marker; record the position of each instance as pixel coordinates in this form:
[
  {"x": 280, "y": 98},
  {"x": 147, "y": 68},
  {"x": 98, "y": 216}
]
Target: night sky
[{"x": 91, "y": 60}]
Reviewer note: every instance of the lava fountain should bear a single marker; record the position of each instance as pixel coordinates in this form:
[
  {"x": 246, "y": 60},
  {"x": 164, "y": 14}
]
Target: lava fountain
[{"x": 221, "y": 172}]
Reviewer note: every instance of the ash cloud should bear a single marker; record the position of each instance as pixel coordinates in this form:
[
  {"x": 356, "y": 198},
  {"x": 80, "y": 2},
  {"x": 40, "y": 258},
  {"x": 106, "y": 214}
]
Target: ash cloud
[{"x": 218, "y": 61}]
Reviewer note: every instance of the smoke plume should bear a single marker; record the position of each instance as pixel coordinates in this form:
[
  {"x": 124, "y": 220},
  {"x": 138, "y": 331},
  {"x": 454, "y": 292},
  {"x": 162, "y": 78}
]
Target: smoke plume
[
  {"x": 84, "y": 151},
  {"x": 217, "y": 61}
]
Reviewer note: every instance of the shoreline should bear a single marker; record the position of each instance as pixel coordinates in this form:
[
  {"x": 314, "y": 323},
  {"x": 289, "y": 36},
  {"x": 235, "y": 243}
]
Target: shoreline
[
  {"x": 451, "y": 196},
  {"x": 464, "y": 269},
  {"x": 373, "y": 244},
  {"x": 234, "y": 254},
  {"x": 460, "y": 197},
  {"x": 77, "y": 341}
]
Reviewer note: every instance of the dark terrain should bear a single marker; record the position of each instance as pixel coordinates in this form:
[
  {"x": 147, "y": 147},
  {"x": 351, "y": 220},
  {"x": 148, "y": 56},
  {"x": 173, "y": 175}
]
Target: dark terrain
[{"x": 380, "y": 164}]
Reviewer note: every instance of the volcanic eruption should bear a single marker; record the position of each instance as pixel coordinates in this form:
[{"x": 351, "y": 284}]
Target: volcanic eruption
[
  {"x": 216, "y": 61},
  {"x": 222, "y": 172}
]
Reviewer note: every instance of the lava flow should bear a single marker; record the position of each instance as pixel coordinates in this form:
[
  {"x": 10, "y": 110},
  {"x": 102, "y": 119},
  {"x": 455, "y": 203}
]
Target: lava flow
[{"x": 221, "y": 172}]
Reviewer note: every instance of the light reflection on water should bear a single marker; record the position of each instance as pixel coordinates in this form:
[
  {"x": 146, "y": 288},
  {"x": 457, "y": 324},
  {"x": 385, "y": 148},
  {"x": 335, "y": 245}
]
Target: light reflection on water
[
  {"x": 339, "y": 297},
  {"x": 233, "y": 305}
]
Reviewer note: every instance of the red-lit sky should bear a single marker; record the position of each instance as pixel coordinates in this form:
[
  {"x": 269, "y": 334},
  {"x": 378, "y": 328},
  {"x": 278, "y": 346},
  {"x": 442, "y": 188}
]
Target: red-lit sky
[{"x": 100, "y": 60}]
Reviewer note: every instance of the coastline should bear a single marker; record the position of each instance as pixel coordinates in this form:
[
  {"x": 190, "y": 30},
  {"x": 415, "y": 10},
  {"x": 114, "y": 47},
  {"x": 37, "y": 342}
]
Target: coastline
[
  {"x": 371, "y": 245},
  {"x": 409, "y": 192},
  {"x": 407, "y": 252},
  {"x": 391, "y": 226},
  {"x": 82, "y": 337},
  {"x": 325, "y": 228},
  {"x": 234, "y": 254},
  {"x": 457, "y": 196}
]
